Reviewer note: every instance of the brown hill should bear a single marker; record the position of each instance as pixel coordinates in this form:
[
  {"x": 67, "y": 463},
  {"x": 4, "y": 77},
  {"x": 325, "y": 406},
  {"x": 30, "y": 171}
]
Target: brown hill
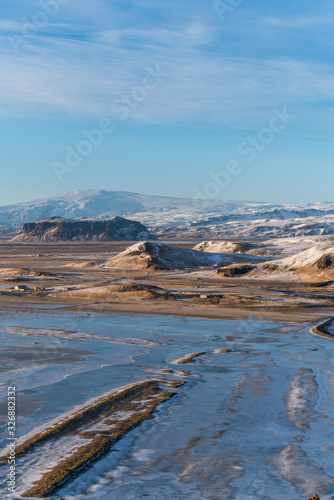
[{"x": 157, "y": 257}]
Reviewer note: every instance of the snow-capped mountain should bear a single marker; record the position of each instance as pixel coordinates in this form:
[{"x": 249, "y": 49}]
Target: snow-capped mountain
[
  {"x": 193, "y": 218},
  {"x": 105, "y": 204}
]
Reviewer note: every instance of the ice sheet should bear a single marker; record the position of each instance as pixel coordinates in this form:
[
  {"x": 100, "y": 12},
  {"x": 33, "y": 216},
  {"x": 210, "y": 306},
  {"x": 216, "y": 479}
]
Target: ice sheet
[{"x": 254, "y": 422}]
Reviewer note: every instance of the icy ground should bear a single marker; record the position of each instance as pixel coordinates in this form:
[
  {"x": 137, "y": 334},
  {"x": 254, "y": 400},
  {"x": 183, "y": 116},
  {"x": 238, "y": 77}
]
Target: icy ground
[{"x": 253, "y": 423}]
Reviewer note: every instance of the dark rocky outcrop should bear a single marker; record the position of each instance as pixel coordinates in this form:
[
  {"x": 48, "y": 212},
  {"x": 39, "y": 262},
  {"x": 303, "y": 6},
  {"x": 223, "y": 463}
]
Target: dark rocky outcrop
[
  {"x": 325, "y": 262},
  {"x": 58, "y": 229},
  {"x": 235, "y": 270},
  {"x": 269, "y": 267}
]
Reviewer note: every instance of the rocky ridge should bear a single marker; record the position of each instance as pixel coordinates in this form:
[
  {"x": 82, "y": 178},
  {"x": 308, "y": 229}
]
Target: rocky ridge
[{"x": 58, "y": 229}]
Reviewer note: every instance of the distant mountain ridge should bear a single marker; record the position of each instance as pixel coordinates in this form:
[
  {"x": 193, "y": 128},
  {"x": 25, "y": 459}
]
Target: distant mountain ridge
[
  {"x": 106, "y": 204},
  {"x": 273, "y": 214},
  {"x": 202, "y": 219}
]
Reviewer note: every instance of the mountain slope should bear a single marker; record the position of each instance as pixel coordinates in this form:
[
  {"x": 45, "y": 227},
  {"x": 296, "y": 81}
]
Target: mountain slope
[
  {"x": 314, "y": 264},
  {"x": 214, "y": 219},
  {"x": 105, "y": 204}
]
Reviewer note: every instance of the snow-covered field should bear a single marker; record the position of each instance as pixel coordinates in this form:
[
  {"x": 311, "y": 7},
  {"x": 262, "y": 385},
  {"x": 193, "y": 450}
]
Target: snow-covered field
[{"x": 252, "y": 422}]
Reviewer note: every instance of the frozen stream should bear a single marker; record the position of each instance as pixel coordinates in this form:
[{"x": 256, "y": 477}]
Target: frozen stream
[{"x": 253, "y": 423}]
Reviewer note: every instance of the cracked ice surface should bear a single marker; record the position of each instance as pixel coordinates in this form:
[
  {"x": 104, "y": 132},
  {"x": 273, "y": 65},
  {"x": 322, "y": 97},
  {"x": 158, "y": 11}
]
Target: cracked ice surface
[{"x": 253, "y": 423}]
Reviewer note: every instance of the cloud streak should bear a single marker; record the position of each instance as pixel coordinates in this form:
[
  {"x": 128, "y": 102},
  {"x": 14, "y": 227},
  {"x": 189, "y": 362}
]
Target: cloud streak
[{"x": 67, "y": 71}]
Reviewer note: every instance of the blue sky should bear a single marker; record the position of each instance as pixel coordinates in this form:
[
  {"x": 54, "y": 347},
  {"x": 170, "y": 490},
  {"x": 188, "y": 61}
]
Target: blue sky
[{"x": 68, "y": 64}]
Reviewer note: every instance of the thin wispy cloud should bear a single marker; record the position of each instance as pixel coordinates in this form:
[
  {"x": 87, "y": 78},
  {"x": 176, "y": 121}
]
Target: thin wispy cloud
[
  {"x": 224, "y": 76},
  {"x": 81, "y": 75},
  {"x": 299, "y": 22}
]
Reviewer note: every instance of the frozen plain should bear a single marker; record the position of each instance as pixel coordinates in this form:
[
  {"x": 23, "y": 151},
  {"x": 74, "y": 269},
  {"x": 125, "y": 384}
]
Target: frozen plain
[{"x": 252, "y": 423}]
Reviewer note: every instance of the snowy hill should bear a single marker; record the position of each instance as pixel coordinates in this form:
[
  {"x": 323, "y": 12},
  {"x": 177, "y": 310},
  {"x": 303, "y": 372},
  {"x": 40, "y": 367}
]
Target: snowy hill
[
  {"x": 157, "y": 257},
  {"x": 224, "y": 247},
  {"x": 320, "y": 257},
  {"x": 314, "y": 264},
  {"x": 213, "y": 219}
]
